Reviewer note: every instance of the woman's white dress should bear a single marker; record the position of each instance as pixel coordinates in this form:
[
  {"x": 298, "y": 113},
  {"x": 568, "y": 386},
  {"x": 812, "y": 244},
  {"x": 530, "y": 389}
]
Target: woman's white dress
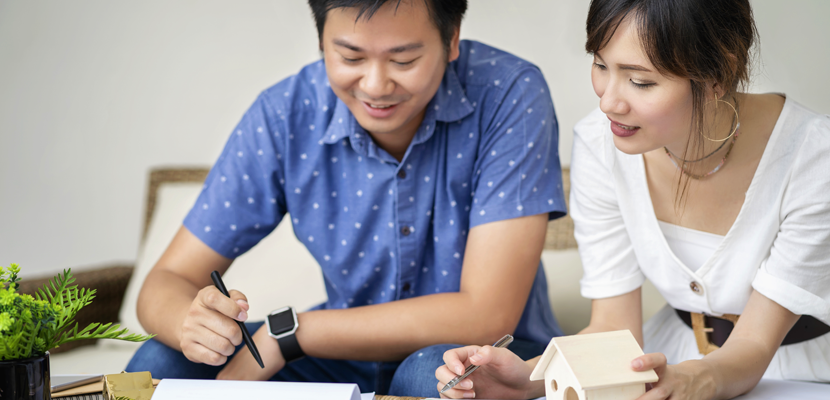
[{"x": 779, "y": 244}]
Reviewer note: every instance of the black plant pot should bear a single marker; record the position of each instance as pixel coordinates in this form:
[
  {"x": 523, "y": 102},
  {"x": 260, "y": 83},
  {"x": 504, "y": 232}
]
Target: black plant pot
[{"x": 26, "y": 379}]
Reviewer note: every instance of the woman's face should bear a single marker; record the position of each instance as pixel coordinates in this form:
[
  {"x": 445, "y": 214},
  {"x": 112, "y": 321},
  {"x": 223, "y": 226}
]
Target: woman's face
[{"x": 646, "y": 109}]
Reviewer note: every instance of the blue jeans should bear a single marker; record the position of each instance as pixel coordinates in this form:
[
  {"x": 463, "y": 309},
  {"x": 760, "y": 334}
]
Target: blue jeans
[{"x": 414, "y": 376}]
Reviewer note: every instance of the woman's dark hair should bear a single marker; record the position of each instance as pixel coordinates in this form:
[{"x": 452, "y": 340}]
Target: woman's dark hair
[
  {"x": 446, "y": 14},
  {"x": 704, "y": 41}
]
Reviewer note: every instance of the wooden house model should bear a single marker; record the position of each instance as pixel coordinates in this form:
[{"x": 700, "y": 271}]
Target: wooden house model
[{"x": 593, "y": 366}]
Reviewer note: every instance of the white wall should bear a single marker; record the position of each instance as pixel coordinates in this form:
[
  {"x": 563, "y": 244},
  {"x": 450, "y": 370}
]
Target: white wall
[{"x": 93, "y": 93}]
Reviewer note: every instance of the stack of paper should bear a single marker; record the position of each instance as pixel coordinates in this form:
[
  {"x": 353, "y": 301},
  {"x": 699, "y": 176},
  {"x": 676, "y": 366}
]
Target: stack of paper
[{"x": 186, "y": 389}]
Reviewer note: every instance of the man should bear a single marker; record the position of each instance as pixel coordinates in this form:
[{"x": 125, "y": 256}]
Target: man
[{"x": 419, "y": 170}]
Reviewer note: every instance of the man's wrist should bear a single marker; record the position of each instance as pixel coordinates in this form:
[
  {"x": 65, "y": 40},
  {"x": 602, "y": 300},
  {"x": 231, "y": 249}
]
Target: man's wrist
[
  {"x": 282, "y": 325},
  {"x": 269, "y": 347}
]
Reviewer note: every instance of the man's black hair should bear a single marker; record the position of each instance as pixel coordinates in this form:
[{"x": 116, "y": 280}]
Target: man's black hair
[{"x": 446, "y": 14}]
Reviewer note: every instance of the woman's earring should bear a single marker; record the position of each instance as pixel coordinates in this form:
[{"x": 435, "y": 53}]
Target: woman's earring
[{"x": 737, "y": 122}]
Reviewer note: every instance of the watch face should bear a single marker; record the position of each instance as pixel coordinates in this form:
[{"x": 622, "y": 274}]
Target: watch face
[{"x": 281, "y": 322}]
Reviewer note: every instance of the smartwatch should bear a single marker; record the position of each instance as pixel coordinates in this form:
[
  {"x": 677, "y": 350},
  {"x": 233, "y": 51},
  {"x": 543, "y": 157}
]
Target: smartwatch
[{"x": 282, "y": 325}]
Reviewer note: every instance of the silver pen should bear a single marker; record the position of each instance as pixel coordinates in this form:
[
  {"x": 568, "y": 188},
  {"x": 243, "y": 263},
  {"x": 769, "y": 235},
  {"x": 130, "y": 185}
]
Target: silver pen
[{"x": 503, "y": 342}]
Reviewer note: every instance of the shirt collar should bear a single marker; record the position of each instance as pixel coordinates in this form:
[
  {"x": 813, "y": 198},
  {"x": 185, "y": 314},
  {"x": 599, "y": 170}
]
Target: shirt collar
[
  {"x": 449, "y": 104},
  {"x": 341, "y": 125}
]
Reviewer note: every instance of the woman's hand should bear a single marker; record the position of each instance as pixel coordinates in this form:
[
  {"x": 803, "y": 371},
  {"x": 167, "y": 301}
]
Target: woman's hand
[
  {"x": 502, "y": 375},
  {"x": 689, "y": 380}
]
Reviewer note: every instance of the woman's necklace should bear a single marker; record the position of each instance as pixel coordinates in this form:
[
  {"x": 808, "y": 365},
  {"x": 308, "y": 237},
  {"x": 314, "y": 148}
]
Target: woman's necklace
[
  {"x": 699, "y": 159},
  {"x": 723, "y": 143},
  {"x": 722, "y": 161}
]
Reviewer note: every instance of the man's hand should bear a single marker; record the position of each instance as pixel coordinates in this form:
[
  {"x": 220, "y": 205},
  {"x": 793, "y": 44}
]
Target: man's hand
[
  {"x": 243, "y": 367},
  {"x": 210, "y": 333},
  {"x": 502, "y": 375}
]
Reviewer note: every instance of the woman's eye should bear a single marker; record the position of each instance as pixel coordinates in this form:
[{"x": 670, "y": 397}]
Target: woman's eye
[
  {"x": 600, "y": 66},
  {"x": 639, "y": 85},
  {"x": 351, "y": 60}
]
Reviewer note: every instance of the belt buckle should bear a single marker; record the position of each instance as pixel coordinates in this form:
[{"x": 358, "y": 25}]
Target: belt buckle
[{"x": 704, "y": 344}]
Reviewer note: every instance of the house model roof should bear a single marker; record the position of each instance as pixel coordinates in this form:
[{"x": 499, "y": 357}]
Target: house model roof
[{"x": 597, "y": 360}]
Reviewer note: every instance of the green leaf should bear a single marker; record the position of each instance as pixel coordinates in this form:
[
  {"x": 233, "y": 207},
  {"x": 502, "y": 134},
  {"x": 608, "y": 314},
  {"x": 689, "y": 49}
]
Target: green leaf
[
  {"x": 31, "y": 325},
  {"x": 105, "y": 331}
]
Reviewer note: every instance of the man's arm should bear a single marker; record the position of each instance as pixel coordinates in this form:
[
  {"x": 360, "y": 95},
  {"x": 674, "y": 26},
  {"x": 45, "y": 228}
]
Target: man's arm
[{"x": 499, "y": 267}]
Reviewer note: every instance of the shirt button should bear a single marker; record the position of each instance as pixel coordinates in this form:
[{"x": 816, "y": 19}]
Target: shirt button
[
  {"x": 696, "y": 287},
  {"x": 405, "y": 287},
  {"x": 405, "y": 231},
  {"x": 402, "y": 174}
]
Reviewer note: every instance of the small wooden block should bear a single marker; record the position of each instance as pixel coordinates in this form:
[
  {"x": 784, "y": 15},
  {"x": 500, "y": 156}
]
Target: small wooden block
[{"x": 132, "y": 385}]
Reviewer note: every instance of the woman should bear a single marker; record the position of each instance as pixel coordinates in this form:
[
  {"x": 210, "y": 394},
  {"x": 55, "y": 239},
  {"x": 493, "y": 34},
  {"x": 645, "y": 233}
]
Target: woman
[{"x": 720, "y": 198}]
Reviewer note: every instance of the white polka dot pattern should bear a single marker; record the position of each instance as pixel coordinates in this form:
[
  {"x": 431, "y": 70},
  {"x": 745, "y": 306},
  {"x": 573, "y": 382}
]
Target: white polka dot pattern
[{"x": 381, "y": 229}]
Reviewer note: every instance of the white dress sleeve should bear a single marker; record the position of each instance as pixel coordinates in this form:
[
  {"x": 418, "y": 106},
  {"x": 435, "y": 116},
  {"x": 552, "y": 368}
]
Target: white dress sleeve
[
  {"x": 796, "y": 274},
  {"x": 608, "y": 259}
]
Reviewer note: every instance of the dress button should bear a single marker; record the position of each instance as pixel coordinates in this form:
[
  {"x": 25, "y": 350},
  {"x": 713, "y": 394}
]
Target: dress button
[
  {"x": 405, "y": 287},
  {"x": 402, "y": 174},
  {"x": 696, "y": 287},
  {"x": 405, "y": 231}
]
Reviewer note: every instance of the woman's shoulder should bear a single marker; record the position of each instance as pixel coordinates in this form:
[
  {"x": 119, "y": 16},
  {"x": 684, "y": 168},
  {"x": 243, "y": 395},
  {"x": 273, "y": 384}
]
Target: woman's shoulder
[
  {"x": 800, "y": 152},
  {"x": 803, "y": 129},
  {"x": 812, "y": 120}
]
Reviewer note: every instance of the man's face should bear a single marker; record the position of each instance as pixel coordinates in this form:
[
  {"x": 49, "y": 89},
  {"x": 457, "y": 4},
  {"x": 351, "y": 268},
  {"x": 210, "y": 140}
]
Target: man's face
[{"x": 385, "y": 69}]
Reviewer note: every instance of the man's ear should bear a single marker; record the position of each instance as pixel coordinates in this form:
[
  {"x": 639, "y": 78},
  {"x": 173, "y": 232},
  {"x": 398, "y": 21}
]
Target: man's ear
[{"x": 453, "y": 52}]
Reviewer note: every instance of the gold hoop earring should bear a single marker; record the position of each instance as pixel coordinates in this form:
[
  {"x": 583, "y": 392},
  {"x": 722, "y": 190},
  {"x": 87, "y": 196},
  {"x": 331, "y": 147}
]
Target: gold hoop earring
[{"x": 737, "y": 122}]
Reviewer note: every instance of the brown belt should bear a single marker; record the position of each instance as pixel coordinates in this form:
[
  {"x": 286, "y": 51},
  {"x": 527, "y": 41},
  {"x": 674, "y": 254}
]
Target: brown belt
[{"x": 712, "y": 332}]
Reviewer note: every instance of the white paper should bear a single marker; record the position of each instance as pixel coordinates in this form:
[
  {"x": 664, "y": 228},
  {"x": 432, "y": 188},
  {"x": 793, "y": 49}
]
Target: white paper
[
  {"x": 186, "y": 389},
  {"x": 769, "y": 389}
]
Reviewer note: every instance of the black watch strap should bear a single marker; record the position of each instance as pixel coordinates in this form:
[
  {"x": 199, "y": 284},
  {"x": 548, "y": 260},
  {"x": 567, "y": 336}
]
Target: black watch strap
[{"x": 290, "y": 348}]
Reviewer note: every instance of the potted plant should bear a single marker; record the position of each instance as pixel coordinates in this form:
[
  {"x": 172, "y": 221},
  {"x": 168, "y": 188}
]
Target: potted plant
[{"x": 32, "y": 325}]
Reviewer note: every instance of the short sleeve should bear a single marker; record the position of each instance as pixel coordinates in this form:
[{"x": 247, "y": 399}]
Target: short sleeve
[
  {"x": 242, "y": 200},
  {"x": 517, "y": 172},
  {"x": 608, "y": 259},
  {"x": 796, "y": 274}
]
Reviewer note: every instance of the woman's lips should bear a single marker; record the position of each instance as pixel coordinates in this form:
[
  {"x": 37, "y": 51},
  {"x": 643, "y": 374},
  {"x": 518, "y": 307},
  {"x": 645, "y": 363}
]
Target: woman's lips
[
  {"x": 384, "y": 112},
  {"x": 623, "y": 130}
]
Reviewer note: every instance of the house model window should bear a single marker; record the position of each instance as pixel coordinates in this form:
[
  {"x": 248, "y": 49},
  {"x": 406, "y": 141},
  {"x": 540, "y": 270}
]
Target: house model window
[{"x": 594, "y": 366}]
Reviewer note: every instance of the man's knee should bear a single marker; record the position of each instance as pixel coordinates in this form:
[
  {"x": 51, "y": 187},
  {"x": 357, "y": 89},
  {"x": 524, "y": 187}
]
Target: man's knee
[
  {"x": 416, "y": 374},
  {"x": 431, "y": 353},
  {"x": 164, "y": 362}
]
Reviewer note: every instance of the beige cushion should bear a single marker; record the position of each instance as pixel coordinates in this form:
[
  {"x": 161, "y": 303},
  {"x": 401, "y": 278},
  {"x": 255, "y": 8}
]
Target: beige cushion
[
  {"x": 278, "y": 271},
  {"x": 564, "y": 269}
]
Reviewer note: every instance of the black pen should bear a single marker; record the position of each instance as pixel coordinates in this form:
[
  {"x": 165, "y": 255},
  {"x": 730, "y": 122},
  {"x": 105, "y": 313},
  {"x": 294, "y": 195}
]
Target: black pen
[{"x": 217, "y": 281}]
